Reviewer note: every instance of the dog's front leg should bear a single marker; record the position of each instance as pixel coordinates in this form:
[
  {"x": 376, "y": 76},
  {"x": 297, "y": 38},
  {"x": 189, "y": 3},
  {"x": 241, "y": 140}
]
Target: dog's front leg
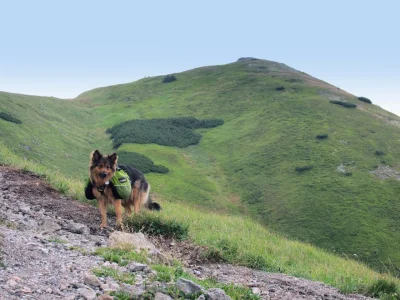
[
  {"x": 118, "y": 212},
  {"x": 103, "y": 211}
]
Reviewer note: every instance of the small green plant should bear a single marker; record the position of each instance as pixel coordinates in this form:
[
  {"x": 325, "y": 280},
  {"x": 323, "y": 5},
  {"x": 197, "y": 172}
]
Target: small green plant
[
  {"x": 121, "y": 295},
  {"x": 363, "y": 99},
  {"x": 280, "y": 88},
  {"x": 118, "y": 275},
  {"x": 304, "y": 168},
  {"x": 57, "y": 240},
  {"x": 322, "y": 136},
  {"x": 2, "y": 265},
  {"x": 169, "y": 78},
  {"x": 121, "y": 256},
  {"x": 343, "y": 103},
  {"x": 153, "y": 224},
  {"x": 379, "y": 152},
  {"x": 7, "y": 117}
]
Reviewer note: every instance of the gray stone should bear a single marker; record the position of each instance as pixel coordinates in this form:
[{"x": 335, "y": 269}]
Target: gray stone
[
  {"x": 49, "y": 227},
  {"x": 256, "y": 290},
  {"x": 87, "y": 293},
  {"x": 138, "y": 241},
  {"x": 25, "y": 209},
  {"x": 91, "y": 280},
  {"x": 161, "y": 296},
  {"x": 77, "y": 228},
  {"x": 132, "y": 289},
  {"x": 188, "y": 287},
  {"x": 216, "y": 294},
  {"x": 136, "y": 267}
]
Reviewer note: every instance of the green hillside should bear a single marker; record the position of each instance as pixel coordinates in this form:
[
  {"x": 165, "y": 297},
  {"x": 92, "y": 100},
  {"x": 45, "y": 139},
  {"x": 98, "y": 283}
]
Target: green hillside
[{"x": 272, "y": 115}]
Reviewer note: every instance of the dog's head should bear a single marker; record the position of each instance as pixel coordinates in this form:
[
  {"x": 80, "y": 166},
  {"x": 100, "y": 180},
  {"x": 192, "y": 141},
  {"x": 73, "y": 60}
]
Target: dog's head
[{"x": 102, "y": 167}]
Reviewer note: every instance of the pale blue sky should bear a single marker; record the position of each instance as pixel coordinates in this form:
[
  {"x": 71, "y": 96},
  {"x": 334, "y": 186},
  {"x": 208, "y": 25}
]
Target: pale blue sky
[{"x": 63, "y": 48}]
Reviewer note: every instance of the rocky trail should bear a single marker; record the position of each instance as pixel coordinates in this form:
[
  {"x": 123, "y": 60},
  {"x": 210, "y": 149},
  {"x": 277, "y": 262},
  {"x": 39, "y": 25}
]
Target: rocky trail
[{"x": 47, "y": 241}]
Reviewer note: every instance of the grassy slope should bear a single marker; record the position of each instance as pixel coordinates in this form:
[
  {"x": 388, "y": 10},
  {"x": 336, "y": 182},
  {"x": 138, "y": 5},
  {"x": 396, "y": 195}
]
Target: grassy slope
[
  {"x": 57, "y": 134},
  {"x": 267, "y": 134}
]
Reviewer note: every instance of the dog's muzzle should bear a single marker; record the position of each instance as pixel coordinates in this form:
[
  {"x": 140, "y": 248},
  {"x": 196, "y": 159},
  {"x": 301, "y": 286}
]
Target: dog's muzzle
[{"x": 103, "y": 175}]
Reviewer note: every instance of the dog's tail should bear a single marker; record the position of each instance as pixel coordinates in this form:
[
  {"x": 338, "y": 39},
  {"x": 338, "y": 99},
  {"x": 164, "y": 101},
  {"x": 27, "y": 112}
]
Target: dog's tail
[{"x": 149, "y": 204}]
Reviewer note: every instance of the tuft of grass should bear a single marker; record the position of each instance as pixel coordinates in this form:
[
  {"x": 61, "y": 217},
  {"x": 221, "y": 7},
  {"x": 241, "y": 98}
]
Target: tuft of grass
[
  {"x": 121, "y": 256},
  {"x": 153, "y": 224},
  {"x": 128, "y": 278},
  {"x": 384, "y": 289},
  {"x": 57, "y": 240}
]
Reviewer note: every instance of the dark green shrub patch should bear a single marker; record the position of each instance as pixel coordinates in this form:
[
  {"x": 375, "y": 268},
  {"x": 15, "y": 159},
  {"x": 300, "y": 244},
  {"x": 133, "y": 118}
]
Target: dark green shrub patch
[
  {"x": 176, "y": 132},
  {"x": 169, "y": 78},
  {"x": 379, "y": 152},
  {"x": 153, "y": 224},
  {"x": 141, "y": 162},
  {"x": 343, "y": 103},
  {"x": 304, "y": 168},
  {"x": 363, "y": 99},
  {"x": 322, "y": 136},
  {"x": 280, "y": 88},
  {"x": 7, "y": 117}
]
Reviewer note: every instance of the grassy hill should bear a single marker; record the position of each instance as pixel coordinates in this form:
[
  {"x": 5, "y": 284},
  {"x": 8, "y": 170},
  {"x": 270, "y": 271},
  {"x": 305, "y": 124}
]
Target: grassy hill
[{"x": 272, "y": 115}]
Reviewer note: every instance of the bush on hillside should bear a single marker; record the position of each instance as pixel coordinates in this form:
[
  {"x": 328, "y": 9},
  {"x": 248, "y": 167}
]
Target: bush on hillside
[
  {"x": 343, "y": 103},
  {"x": 140, "y": 162},
  {"x": 7, "y": 117},
  {"x": 280, "y": 88},
  {"x": 169, "y": 78},
  {"x": 304, "y": 168},
  {"x": 322, "y": 136},
  {"x": 366, "y": 100},
  {"x": 379, "y": 152},
  {"x": 175, "y": 132}
]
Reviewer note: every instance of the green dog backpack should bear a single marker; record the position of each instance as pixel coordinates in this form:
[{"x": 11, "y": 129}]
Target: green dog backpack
[{"x": 122, "y": 184}]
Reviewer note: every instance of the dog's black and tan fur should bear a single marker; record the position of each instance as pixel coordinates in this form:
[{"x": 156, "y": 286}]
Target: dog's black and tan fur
[{"x": 101, "y": 170}]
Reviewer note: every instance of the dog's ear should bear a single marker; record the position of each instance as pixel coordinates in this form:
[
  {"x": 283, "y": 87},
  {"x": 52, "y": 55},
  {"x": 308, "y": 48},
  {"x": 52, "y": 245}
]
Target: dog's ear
[
  {"x": 96, "y": 155},
  {"x": 113, "y": 158}
]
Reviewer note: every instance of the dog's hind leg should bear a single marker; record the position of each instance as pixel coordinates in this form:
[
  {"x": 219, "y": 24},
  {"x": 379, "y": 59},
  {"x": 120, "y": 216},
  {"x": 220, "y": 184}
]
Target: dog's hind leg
[
  {"x": 136, "y": 196},
  {"x": 144, "y": 196}
]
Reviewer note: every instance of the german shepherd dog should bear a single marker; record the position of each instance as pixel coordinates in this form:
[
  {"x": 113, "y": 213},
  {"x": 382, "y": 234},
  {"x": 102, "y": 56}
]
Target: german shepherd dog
[{"x": 101, "y": 170}]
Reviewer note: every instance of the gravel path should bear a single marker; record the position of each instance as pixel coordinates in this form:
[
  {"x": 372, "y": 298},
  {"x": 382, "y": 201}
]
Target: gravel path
[{"x": 46, "y": 241}]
